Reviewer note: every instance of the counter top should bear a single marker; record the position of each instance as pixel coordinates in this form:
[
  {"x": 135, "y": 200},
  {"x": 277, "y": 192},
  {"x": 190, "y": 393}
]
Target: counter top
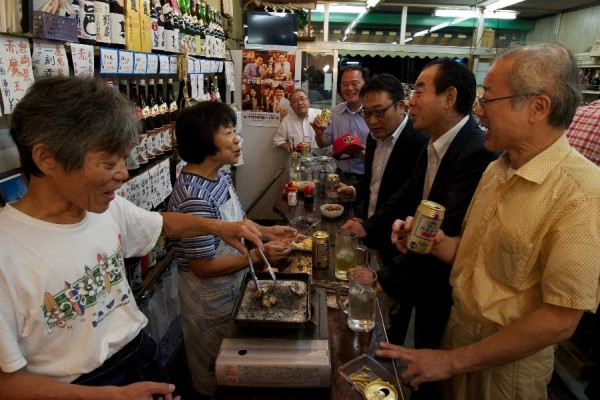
[{"x": 344, "y": 344}]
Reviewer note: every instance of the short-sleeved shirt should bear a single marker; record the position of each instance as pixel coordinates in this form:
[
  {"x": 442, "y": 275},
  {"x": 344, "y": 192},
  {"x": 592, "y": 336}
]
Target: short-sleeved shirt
[
  {"x": 293, "y": 128},
  {"x": 531, "y": 239},
  {"x": 584, "y": 131},
  {"x": 66, "y": 304},
  {"x": 205, "y": 202}
]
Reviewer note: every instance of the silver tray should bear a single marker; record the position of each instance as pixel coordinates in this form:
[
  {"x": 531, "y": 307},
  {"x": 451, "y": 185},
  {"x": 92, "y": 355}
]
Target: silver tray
[{"x": 290, "y": 311}]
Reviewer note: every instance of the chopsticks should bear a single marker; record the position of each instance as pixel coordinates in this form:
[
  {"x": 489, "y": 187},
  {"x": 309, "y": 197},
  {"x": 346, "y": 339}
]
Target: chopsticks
[
  {"x": 251, "y": 265},
  {"x": 269, "y": 268},
  {"x": 253, "y": 272}
]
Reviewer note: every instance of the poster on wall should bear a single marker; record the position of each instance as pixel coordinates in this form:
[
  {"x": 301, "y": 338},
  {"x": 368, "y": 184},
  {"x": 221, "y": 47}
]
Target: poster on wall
[{"x": 267, "y": 82}]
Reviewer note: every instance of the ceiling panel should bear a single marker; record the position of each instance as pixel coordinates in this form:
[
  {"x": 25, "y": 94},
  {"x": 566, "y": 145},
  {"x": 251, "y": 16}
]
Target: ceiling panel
[{"x": 532, "y": 9}]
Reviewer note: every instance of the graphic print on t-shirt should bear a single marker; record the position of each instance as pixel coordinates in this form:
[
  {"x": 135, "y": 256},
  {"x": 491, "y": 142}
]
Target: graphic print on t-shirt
[{"x": 94, "y": 295}]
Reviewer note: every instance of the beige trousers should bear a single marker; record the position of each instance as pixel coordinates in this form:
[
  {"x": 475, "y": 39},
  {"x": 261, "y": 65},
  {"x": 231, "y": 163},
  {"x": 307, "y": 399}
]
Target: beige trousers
[{"x": 525, "y": 379}]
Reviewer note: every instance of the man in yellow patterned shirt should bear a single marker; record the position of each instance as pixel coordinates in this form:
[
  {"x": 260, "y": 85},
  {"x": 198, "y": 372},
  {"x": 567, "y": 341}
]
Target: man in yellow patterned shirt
[{"x": 527, "y": 264}]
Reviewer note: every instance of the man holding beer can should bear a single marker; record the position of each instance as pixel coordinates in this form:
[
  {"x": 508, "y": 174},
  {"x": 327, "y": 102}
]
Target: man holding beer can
[
  {"x": 446, "y": 172},
  {"x": 526, "y": 264}
]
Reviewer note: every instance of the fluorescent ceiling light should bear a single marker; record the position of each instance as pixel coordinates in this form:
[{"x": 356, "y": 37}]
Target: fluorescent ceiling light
[
  {"x": 372, "y": 3},
  {"x": 498, "y": 4},
  {"x": 437, "y": 27},
  {"x": 464, "y": 13},
  {"x": 341, "y": 9}
]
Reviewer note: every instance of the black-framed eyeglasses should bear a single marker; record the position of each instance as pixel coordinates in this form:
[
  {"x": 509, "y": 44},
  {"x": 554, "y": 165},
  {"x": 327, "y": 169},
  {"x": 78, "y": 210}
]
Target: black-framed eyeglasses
[
  {"x": 480, "y": 101},
  {"x": 375, "y": 113}
]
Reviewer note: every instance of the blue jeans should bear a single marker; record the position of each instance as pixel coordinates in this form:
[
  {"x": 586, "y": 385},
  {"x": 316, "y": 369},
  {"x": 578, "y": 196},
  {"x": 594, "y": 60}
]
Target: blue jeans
[{"x": 138, "y": 361}]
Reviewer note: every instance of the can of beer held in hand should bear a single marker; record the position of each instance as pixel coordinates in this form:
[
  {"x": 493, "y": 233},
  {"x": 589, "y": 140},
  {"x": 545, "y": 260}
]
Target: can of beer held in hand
[
  {"x": 332, "y": 185},
  {"x": 320, "y": 249},
  {"x": 426, "y": 222}
]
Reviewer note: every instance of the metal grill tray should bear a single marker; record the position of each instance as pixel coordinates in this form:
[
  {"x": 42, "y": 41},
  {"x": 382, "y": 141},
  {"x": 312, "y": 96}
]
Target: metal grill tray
[{"x": 290, "y": 311}]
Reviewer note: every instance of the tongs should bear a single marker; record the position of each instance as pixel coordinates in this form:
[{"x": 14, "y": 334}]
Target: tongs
[{"x": 268, "y": 297}]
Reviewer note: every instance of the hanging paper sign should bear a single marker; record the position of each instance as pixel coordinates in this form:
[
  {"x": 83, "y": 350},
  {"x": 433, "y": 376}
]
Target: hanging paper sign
[
  {"x": 194, "y": 85},
  {"x": 229, "y": 77},
  {"x": 16, "y": 74},
  {"x": 82, "y": 56},
  {"x": 49, "y": 59}
]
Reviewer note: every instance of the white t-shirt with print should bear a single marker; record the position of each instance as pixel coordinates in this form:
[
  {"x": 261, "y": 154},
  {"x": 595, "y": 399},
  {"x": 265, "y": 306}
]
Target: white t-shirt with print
[{"x": 65, "y": 304}]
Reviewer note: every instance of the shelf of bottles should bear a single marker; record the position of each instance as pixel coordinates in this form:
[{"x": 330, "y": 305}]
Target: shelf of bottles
[{"x": 170, "y": 26}]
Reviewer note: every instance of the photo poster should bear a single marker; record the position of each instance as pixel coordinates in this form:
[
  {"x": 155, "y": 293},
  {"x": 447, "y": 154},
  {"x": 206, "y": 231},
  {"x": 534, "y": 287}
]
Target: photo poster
[{"x": 267, "y": 82}]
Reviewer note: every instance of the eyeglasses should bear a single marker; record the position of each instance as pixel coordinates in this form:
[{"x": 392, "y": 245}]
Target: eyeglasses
[
  {"x": 480, "y": 101},
  {"x": 375, "y": 113},
  {"x": 298, "y": 100}
]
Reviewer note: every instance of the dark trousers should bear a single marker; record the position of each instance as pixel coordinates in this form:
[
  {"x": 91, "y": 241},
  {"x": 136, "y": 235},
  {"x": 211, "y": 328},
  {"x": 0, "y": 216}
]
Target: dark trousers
[{"x": 138, "y": 361}]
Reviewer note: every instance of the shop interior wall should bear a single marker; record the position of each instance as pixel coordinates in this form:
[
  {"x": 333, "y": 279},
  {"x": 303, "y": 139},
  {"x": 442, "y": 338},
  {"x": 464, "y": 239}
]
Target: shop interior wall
[{"x": 577, "y": 30}]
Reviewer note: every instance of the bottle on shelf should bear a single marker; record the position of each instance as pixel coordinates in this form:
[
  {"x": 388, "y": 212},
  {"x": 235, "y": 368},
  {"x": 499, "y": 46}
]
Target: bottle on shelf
[
  {"x": 156, "y": 119},
  {"x": 202, "y": 20},
  {"x": 206, "y": 93},
  {"x": 87, "y": 32},
  {"x": 595, "y": 80},
  {"x": 163, "y": 108},
  {"x": 294, "y": 167},
  {"x": 132, "y": 159},
  {"x": 195, "y": 27},
  {"x": 148, "y": 121},
  {"x": 133, "y": 267},
  {"x": 173, "y": 109},
  {"x": 176, "y": 32},
  {"x": 213, "y": 89},
  {"x": 169, "y": 26},
  {"x": 102, "y": 20},
  {"x": 154, "y": 17},
  {"x": 117, "y": 24},
  {"x": 141, "y": 148}
]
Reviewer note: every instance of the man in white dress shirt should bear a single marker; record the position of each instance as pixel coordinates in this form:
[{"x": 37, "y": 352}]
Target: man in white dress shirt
[{"x": 297, "y": 124}]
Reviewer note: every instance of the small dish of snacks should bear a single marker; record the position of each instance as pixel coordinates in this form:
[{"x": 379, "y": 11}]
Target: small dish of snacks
[
  {"x": 304, "y": 224},
  {"x": 332, "y": 210},
  {"x": 370, "y": 378}
]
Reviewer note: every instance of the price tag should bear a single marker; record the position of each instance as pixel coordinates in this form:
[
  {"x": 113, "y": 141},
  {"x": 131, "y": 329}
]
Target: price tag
[
  {"x": 125, "y": 62},
  {"x": 173, "y": 64},
  {"x": 140, "y": 62},
  {"x": 152, "y": 66},
  {"x": 190, "y": 65},
  {"x": 163, "y": 62},
  {"x": 109, "y": 61}
]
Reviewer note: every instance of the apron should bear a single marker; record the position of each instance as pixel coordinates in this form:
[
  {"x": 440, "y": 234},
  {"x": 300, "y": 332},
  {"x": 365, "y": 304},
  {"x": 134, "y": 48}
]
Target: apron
[{"x": 207, "y": 305}]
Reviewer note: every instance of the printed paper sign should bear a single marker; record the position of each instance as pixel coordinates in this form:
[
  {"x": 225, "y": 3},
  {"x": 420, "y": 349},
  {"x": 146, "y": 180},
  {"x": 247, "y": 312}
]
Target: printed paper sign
[
  {"x": 16, "y": 74},
  {"x": 49, "y": 59},
  {"x": 109, "y": 61},
  {"x": 83, "y": 59}
]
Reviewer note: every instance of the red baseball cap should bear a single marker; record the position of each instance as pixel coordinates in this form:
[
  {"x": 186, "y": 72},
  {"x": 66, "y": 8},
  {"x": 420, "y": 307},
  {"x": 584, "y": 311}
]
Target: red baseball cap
[{"x": 347, "y": 146}]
